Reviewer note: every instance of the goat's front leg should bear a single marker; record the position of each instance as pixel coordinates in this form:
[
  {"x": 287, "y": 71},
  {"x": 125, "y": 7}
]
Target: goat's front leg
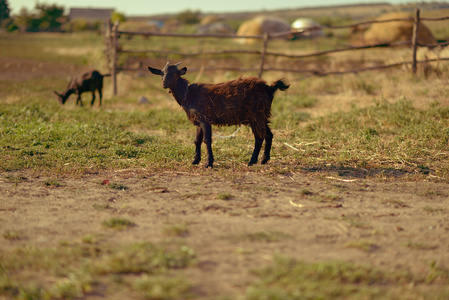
[
  {"x": 268, "y": 142},
  {"x": 198, "y": 142},
  {"x": 93, "y": 98},
  {"x": 101, "y": 96},
  {"x": 207, "y": 132},
  {"x": 79, "y": 100},
  {"x": 257, "y": 146}
]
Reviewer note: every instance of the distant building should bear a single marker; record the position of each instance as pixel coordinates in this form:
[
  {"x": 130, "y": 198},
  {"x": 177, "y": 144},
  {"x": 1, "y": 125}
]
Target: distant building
[{"x": 91, "y": 14}]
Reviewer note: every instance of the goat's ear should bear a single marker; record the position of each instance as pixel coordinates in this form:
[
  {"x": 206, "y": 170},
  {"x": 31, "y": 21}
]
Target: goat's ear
[
  {"x": 154, "y": 71},
  {"x": 56, "y": 93},
  {"x": 182, "y": 71}
]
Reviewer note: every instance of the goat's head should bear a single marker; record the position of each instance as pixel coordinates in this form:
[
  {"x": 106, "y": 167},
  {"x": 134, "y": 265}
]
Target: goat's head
[
  {"x": 61, "y": 98},
  {"x": 169, "y": 73}
]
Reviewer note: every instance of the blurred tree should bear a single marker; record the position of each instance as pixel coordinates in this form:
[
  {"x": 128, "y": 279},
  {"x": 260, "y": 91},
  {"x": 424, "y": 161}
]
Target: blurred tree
[
  {"x": 116, "y": 16},
  {"x": 49, "y": 15},
  {"x": 4, "y": 10},
  {"x": 189, "y": 17},
  {"x": 24, "y": 19},
  {"x": 81, "y": 24}
]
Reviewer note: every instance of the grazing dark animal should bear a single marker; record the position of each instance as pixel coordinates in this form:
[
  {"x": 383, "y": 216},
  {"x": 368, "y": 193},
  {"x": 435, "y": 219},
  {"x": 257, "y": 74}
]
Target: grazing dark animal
[
  {"x": 241, "y": 101},
  {"x": 86, "y": 82}
]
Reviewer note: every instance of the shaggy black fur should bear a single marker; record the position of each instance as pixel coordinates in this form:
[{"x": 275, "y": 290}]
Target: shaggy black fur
[
  {"x": 86, "y": 82},
  {"x": 241, "y": 101}
]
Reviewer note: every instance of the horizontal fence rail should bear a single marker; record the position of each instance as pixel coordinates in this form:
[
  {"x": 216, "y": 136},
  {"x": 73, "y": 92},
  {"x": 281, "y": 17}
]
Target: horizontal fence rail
[{"x": 113, "y": 34}]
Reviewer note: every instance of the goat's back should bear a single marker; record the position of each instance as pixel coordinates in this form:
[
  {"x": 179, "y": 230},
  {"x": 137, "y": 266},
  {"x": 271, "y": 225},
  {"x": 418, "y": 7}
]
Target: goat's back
[
  {"x": 88, "y": 81},
  {"x": 240, "y": 101}
]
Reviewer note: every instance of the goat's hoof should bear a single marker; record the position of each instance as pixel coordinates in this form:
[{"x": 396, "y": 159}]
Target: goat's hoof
[
  {"x": 252, "y": 163},
  {"x": 195, "y": 162},
  {"x": 209, "y": 166},
  {"x": 264, "y": 160}
]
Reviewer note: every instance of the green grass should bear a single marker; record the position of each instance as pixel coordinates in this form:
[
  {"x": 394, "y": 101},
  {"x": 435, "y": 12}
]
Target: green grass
[
  {"x": 364, "y": 245},
  {"x": 394, "y": 202},
  {"x": 49, "y": 138},
  {"x": 290, "y": 279},
  {"x": 118, "y": 186},
  {"x": 78, "y": 270},
  {"x": 53, "y": 183},
  {"x": 261, "y": 236},
  {"x": 15, "y": 179},
  {"x": 433, "y": 210},
  {"x": 118, "y": 224},
  {"x": 386, "y": 138},
  {"x": 382, "y": 136},
  {"x": 420, "y": 246},
  {"x": 159, "y": 287},
  {"x": 177, "y": 230},
  {"x": 224, "y": 196},
  {"x": 12, "y": 235}
]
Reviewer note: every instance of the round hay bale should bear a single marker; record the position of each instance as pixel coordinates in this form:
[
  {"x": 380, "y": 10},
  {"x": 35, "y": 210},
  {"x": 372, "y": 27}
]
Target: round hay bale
[
  {"x": 171, "y": 26},
  {"x": 396, "y": 31},
  {"x": 301, "y": 24},
  {"x": 209, "y": 19},
  {"x": 261, "y": 25}
]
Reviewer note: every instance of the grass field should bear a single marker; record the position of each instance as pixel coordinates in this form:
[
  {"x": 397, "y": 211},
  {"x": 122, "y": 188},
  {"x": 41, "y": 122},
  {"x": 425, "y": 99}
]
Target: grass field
[{"x": 379, "y": 140}]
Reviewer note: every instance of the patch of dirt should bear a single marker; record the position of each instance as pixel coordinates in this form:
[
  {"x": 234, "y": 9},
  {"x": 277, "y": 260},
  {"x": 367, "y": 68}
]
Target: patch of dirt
[
  {"x": 320, "y": 216},
  {"x": 17, "y": 69}
]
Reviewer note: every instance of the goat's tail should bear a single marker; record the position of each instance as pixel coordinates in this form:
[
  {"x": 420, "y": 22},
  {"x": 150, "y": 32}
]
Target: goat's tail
[{"x": 281, "y": 84}]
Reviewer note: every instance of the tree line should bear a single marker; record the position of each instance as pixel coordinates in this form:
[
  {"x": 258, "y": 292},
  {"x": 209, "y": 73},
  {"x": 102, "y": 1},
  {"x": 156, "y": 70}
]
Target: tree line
[{"x": 46, "y": 17}]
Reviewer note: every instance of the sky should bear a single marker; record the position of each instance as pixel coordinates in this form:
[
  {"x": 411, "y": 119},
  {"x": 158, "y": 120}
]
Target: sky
[{"x": 155, "y": 7}]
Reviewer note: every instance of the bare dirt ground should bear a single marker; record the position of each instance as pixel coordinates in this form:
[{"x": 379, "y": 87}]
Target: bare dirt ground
[
  {"x": 391, "y": 222},
  {"x": 16, "y": 69}
]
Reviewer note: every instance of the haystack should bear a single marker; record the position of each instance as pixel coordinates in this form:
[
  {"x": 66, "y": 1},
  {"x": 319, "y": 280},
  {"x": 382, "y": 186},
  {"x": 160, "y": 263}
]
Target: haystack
[
  {"x": 261, "y": 25},
  {"x": 397, "y": 30},
  {"x": 209, "y": 19}
]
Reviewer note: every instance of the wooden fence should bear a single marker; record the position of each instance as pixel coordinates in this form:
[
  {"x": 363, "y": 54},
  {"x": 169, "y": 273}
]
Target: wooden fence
[{"x": 112, "y": 35}]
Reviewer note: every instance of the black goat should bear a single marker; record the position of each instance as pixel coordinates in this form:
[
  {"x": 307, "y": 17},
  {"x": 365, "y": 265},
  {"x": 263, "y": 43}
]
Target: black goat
[
  {"x": 86, "y": 82},
  {"x": 241, "y": 101}
]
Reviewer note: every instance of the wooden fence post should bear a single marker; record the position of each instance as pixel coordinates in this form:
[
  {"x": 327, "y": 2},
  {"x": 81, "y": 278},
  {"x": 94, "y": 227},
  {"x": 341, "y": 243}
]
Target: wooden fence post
[
  {"x": 266, "y": 37},
  {"x": 107, "y": 43},
  {"x": 114, "y": 57},
  {"x": 415, "y": 41}
]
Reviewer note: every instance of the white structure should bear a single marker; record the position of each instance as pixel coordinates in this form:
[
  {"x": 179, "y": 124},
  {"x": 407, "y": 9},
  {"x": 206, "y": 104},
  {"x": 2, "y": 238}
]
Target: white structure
[{"x": 303, "y": 23}]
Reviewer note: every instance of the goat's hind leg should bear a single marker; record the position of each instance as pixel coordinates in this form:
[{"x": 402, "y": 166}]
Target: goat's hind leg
[
  {"x": 198, "y": 141},
  {"x": 257, "y": 145},
  {"x": 268, "y": 142}
]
